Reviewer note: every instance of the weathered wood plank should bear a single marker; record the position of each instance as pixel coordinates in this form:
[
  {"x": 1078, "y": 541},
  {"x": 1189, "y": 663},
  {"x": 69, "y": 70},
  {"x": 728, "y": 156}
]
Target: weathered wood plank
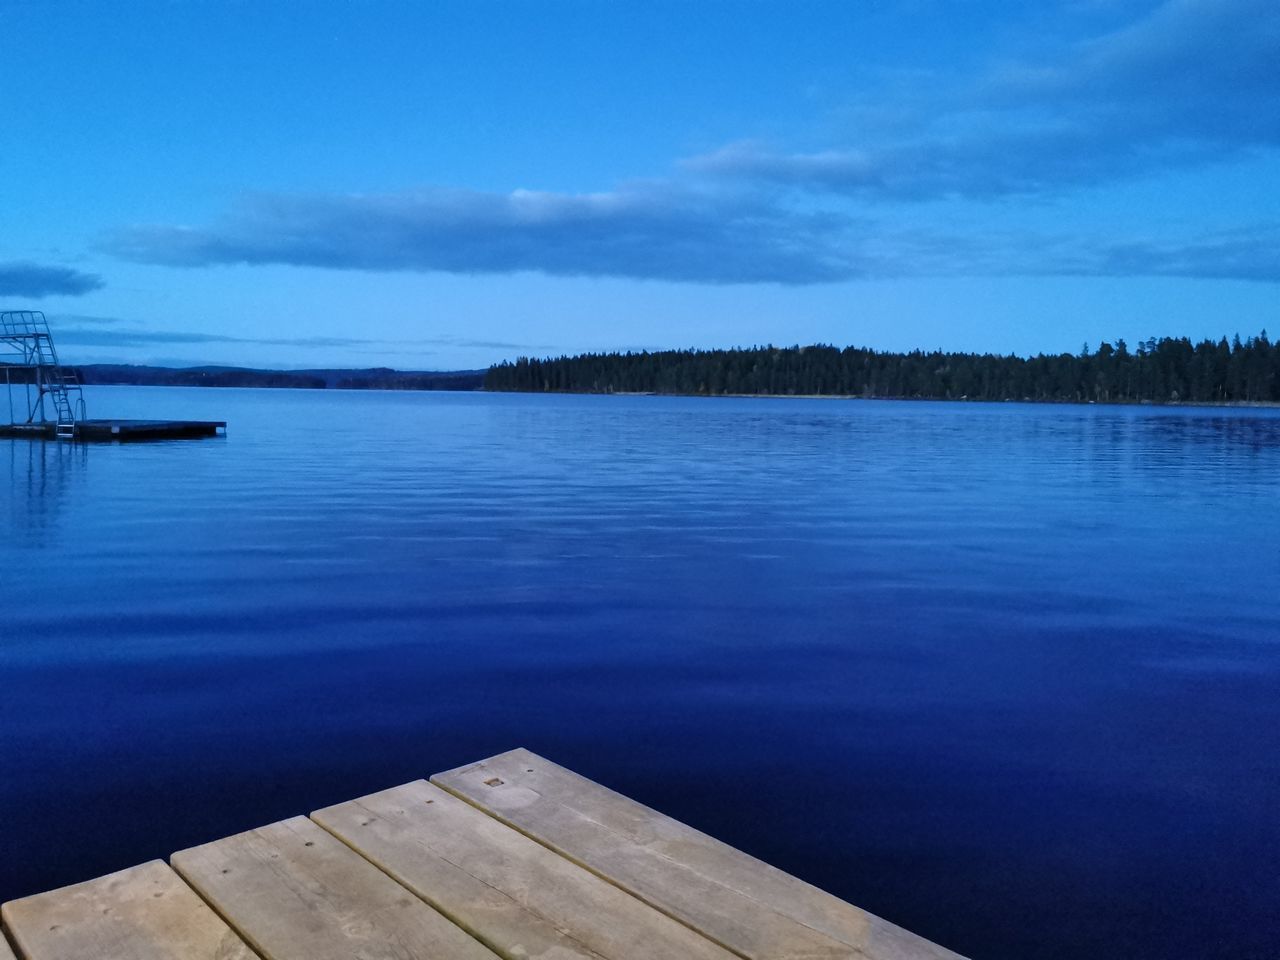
[
  {"x": 295, "y": 892},
  {"x": 520, "y": 898},
  {"x": 742, "y": 903},
  {"x": 143, "y": 913}
]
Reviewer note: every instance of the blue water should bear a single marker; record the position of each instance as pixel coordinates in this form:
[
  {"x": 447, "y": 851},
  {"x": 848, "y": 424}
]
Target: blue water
[{"x": 1007, "y": 675}]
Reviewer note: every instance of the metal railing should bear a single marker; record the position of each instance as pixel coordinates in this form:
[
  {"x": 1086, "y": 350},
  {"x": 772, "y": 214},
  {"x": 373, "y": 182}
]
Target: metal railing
[{"x": 26, "y": 347}]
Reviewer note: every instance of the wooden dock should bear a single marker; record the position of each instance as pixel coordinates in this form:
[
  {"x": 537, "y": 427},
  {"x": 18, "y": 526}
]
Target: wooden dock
[
  {"x": 118, "y": 431},
  {"x": 513, "y": 857}
]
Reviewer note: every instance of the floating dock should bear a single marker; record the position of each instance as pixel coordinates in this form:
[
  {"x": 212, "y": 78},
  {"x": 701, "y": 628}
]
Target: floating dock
[
  {"x": 98, "y": 431},
  {"x": 513, "y": 857},
  {"x": 52, "y": 399}
]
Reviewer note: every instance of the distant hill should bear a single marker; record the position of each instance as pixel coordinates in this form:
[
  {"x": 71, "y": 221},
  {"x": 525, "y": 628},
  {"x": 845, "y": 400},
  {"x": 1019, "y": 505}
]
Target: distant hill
[{"x": 375, "y": 378}]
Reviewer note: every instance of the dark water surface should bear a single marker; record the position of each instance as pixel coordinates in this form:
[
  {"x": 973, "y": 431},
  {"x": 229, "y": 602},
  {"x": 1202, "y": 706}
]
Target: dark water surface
[{"x": 1007, "y": 675}]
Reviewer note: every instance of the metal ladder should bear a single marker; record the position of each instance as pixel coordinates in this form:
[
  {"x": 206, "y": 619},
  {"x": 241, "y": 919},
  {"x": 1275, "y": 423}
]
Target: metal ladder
[{"x": 28, "y": 330}]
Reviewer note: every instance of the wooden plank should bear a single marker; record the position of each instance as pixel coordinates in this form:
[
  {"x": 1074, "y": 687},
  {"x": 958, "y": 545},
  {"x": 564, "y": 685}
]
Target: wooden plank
[
  {"x": 295, "y": 892},
  {"x": 751, "y": 908},
  {"x": 143, "y": 913},
  {"x": 511, "y": 892}
]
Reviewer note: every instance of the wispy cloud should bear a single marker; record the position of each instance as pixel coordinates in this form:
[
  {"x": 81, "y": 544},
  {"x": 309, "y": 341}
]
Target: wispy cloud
[
  {"x": 1250, "y": 253},
  {"x": 87, "y": 320},
  {"x": 474, "y": 344},
  {"x": 24, "y": 279},
  {"x": 650, "y": 232},
  {"x": 99, "y": 337},
  {"x": 1193, "y": 81},
  {"x": 90, "y": 331},
  {"x": 1246, "y": 253}
]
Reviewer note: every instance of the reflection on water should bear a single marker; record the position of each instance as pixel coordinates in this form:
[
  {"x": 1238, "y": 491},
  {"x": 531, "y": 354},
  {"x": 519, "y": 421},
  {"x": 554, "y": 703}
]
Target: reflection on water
[
  {"x": 1005, "y": 674},
  {"x": 41, "y": 477}
]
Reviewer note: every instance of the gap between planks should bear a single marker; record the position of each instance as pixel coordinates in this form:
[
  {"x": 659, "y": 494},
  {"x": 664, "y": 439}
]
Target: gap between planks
[
  {"x": 751, "y": 908},
  {"x": 502, "y": 886},
  {"x": 513, "y": 856}
]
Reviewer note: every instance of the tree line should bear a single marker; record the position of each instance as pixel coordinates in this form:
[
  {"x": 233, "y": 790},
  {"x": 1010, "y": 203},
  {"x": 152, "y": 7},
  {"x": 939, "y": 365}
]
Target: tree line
[{"x": 1171, "y": 369}]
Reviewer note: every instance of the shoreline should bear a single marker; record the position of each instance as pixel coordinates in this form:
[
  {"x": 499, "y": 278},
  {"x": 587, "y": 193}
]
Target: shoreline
[
  {"x": 1214, "y": 404},
  {"x": 1211, "y": 404}
]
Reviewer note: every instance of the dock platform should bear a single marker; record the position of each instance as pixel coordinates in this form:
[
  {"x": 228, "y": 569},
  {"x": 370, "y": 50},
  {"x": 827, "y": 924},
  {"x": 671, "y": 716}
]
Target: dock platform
[
  {"x": 117, "y": 431},
  {"x": 513, "y": 857}
]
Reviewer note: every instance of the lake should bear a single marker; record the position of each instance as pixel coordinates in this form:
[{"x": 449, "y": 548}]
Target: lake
[{"x": 1008, "y": 675}]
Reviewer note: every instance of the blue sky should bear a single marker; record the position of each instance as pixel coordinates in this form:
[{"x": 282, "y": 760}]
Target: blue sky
[{"x": 440, "y": 186}]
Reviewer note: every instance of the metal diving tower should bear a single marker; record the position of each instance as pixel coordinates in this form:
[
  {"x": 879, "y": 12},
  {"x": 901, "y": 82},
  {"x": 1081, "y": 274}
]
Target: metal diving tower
[{"x": 30, "y": 360}]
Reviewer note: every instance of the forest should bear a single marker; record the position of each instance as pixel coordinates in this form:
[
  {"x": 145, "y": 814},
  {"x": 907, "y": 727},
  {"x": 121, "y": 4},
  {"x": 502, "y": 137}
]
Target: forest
[{"x": 1167, "y": 370}]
